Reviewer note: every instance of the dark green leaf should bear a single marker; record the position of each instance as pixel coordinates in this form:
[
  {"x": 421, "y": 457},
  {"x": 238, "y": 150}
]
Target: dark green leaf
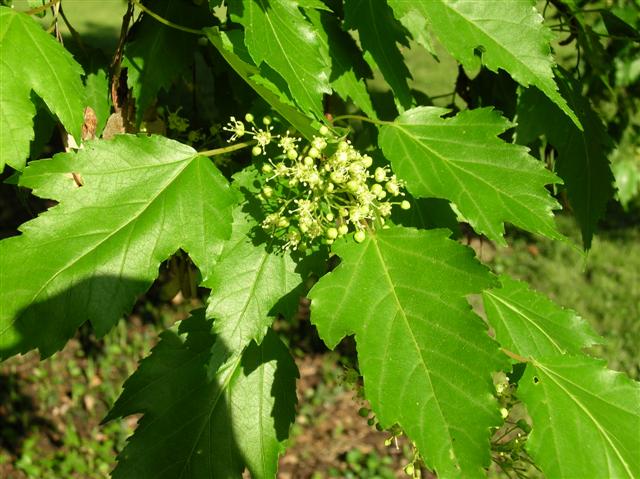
[
  {"x": 156, "y": 54},
  {"x": 582, "y": 161},
  {"x": 379, "y": 34},
  {"x": 195, "y": 426},
  {"x": 348, "y": 69}
]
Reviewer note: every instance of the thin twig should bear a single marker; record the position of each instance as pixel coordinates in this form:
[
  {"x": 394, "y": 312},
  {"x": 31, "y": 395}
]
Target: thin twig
[
  {"x": 166, "y": 22},
  {"x": 226, "y": 149},
  {"x": 41, "y": 8},
  {"x": 116, "y": 62}
]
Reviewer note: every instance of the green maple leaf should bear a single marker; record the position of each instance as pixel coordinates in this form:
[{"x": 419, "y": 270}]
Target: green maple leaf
[
  {"x": 348, "y": 68},
  {"x": 278, "y": 34},
  {"x": 33, "y": 61},
  {"x": 379, "y": 32},
  {"x": 246, "y": 284},
  {"x": 88, "y": 258},
  {"x": 195, "y": 426},
  {"x": 461, "y": 159},
  {"x": 157, "y": 54},
  {"x": 229, "y": 47},
  {"x": 425, "y": 357},
  {"x": 586, "y": 419},
  {"x": 583, "y": 155},
  {"x": 500, "y": 34},
  {"x": 531, "y": 325}
]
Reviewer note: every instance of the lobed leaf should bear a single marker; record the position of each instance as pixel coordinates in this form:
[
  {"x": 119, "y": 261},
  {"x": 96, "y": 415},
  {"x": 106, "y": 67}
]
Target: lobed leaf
[
  {"x": 246, "y": 284},
  {"x": 425, "y": 357},
  {"x": 586, "y": 419},
  {"x": 229, "y": 49},
  {"x": 88, "y": 258},
  {"x": 278, "y": 34},
  {"x": 379, "y": 32},
  {"x": 195, "y": 426},
  {"x": 51, "y": 72},
  {"x": 461, "y": 159},
  {"x": 583, "y": 155},
  {"x": 500, "y": 34},
  {"x": 348, "y": 69},
  {"x": 531, "y": 325},
  {"x": 157, "y": 55}
]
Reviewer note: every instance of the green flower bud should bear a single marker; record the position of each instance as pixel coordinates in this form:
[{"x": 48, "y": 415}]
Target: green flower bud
[
  {"x": 313, "y": 152},
  {"x": 248, "y": 118},
  {"x": 405, "y": 205},
  {"x": 292, "y": 154},
  {"x": 267, "y": 168},
  {"x": 308, "y": 161},
  {"x": 283, "y": 222},
  {"x": 324, "y": 131},
  {"x": 267, "y": 191},
  {"x": 266, "y": 120},
  {"x": 376, "y": 189},
  {"x": 329, "y": 216},
  {"x": 343, "y": 229},
  {"x": 332, "y": 233},
  {"x": 367, "y": 161},
  {"x": 359, "y": 236},
  {"x": 353, "y": 185},
  {"x": 256, "y": 150}
]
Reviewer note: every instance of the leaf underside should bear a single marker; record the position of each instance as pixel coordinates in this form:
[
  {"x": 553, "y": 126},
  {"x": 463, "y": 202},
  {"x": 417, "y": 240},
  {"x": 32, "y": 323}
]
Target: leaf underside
[{"x": 33, "y": 60}]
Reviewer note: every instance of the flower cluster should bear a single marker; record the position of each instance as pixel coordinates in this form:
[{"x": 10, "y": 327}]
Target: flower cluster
[{"x": 322, "y": 190}]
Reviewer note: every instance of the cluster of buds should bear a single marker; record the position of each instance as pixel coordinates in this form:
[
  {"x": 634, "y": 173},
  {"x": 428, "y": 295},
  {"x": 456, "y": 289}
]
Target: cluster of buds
[{"x": 320, "y": 191}]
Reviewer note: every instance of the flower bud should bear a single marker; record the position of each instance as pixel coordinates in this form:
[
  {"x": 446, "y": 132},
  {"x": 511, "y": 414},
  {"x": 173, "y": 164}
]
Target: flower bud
[
  {"x": 267, "y": 191},
  {"x": 332, "y": 233},
  {"x": 367, "y": 161},
  {"x": 359, "y": 236},
  {"x": 266, "y": 120},
  {"x": 324, "y": 131},
  {"x": 248, "y": 118},
  {"x": 343, "y": 229},
  {"x": 292, "y": 154},
  {"x": 267, "y": 168},
  {"x": 405, "y": 205},
  {"x": 308, "y": 161},
  {"x": 256, "y": 150},
  {"x": 313, "y": 152}
]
